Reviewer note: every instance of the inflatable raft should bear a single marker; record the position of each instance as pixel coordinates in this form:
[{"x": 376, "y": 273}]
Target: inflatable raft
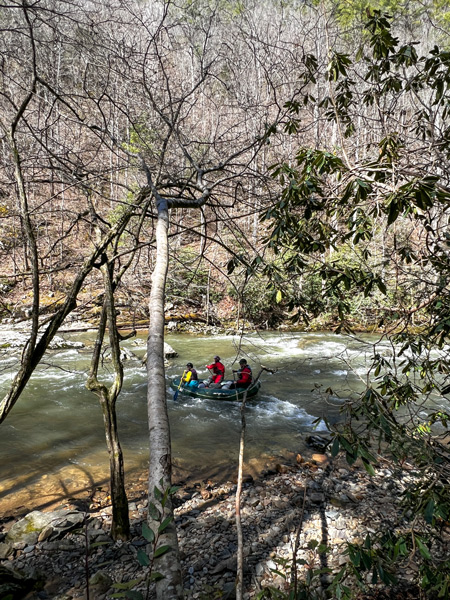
[{"x": 215, "y": 393}]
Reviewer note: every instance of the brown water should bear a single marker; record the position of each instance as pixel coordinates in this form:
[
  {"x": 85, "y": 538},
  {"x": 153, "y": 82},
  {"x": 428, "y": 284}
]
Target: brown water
[{"x": 52, "y": 444}]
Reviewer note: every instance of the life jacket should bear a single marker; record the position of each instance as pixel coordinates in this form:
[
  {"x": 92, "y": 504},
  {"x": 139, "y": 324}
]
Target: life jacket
[
  {"x": 191, "y": 375},
  {"x": 219, "y": 371},
  {"x": 245, "y": 376}
]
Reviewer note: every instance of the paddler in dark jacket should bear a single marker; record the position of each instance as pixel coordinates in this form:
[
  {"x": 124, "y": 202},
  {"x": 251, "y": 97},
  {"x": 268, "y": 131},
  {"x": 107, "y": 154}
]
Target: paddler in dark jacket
[{"x": 244, "y": 374}]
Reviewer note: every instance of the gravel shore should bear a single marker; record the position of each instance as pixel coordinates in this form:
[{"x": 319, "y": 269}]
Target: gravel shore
[{"x": 321, "y": 499}]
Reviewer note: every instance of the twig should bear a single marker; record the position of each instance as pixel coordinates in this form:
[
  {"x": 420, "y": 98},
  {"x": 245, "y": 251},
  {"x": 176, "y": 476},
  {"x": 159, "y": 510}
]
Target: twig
[
  {"x": 263, "y": 368},
  {"x": 86, "y": 555},
  {"x": 294, "y": 575},
  {"x": 240, "y": 546}
]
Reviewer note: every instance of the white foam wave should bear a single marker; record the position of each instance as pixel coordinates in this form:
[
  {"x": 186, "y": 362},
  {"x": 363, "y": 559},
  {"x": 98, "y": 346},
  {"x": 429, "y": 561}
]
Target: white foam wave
[
  {"x": 275, "y": 408},
  {"x": 66, "y": 353},
  {"x": 54, "y": 374},
  {"x": 294, "y": 348}
]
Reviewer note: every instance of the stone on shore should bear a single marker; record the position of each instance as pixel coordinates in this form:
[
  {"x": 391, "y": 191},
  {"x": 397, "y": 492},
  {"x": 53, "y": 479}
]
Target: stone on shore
[
  {"x": 334, "y": 504},
  {"x": 28, "y": 529}
]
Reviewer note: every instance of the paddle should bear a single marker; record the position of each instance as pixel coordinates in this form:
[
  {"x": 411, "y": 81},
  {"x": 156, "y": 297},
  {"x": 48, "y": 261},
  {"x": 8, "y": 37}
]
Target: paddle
[
  {"x": 235, "y": 388},
  {"x": 175, "y": 396},
  {"x": 211, "y": 374}
]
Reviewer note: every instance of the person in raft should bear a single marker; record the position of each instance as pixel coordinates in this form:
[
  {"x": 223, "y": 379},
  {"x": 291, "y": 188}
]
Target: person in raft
[
  {"x": 217, "y": 370},
  {"x": 244, "y": 374},
  {"x": 190, "y": 377}
]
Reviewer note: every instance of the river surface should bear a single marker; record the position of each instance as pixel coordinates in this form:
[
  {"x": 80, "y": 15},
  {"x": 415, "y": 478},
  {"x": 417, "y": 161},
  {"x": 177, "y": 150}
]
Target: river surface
[{"x": 52, "y": 444}]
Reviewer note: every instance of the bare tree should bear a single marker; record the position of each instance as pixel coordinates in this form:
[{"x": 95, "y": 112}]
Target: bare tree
[{"x": 149, "y": 113}]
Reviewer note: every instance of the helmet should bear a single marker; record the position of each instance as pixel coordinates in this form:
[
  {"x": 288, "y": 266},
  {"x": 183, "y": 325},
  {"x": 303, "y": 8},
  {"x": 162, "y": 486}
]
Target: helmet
[
  {"x": 189, "y": 365},
  {"x": 242, "y": 361},
  {"x": 217, "y": 358}
]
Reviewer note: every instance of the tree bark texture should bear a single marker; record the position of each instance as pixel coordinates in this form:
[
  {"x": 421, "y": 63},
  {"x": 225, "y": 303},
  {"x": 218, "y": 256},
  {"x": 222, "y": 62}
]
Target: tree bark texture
[
  {"x": 160, "y": 474},
  {"x": 120, "y": 527}
]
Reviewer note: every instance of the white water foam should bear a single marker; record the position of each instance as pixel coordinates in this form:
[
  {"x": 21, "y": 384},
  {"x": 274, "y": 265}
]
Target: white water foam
[{"x": 272, "y": 407}]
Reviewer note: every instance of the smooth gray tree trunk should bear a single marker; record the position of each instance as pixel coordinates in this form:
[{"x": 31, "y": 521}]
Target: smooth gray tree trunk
[{"x": 160, "y": 472}]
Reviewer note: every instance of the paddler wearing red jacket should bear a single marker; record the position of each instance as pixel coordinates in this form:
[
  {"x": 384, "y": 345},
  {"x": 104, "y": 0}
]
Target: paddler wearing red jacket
[
  {"x": 218, "y": 370},
  {"x": 245, "y": 376}
]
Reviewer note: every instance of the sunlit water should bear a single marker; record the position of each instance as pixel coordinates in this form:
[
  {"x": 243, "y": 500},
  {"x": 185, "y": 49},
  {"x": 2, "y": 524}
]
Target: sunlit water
[{"x": 52, "y": 444}]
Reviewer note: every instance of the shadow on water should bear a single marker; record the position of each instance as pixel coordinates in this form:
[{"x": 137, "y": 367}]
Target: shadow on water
[{"x": 56, "y": 492}]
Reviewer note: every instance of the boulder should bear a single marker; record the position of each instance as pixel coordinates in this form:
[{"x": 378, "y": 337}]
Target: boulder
[
  {"x": 5, "y": 550},
  {"x": 59, "y": 343},
  {"x": 100, "y": 583},
  {"x": 169, "y": 352},
  {"x": 28, "y": 529},
  {"x": 17, "y": 340},
  {"x": 125, "y": 354},
  {"x": 320, "y": 458}
]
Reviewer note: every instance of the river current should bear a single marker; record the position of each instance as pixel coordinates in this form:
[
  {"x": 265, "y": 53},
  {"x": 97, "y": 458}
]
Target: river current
[{"x": 52, "y": 444}]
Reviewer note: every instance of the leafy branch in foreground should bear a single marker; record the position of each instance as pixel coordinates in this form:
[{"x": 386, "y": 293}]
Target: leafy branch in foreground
[
  {"x": 147, "y": 558},
  {"x": 369, "y": 214}
]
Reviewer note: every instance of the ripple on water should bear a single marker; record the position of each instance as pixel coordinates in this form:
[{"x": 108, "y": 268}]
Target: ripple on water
[
  {"x": 55, "y": 376},
  {"x": 135, "y": 370},
  {"x": 306, "y": 346},
  {"x": 209, "y": 410},
  {"x": 66, "y": 353}
]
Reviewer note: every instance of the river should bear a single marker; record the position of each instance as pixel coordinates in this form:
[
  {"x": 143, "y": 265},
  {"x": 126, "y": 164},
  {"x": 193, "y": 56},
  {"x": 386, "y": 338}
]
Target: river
[{"x": 52, "y": 444}]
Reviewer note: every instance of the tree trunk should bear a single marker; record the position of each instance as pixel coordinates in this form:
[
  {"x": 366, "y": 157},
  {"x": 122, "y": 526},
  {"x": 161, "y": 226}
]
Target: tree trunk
[
  {"x": 240, "y": 538},
  {"x": 120, "y": 526},
  {"x": 160, "y": 475}
]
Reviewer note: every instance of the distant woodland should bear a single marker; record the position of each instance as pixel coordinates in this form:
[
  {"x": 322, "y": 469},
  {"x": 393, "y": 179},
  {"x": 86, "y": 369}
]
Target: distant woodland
[{"x": 98, "y": 99}]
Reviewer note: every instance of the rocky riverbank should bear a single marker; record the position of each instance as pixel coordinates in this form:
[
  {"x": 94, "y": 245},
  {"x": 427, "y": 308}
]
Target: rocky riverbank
[{"x": 319, "y": 499}]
